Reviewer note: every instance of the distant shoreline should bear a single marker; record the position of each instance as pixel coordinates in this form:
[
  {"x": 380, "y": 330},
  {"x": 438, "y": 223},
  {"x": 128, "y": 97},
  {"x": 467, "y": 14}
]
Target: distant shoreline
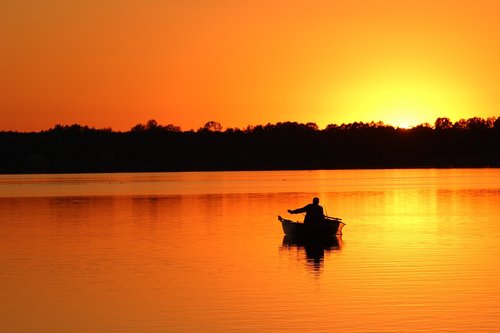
[
  {"x": 469, "y": 143},
  {"x": 260, "y": 170}
]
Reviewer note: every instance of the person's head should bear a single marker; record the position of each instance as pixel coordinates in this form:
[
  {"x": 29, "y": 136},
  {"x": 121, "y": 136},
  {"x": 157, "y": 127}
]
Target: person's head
[{"x": 315, "y": 200}]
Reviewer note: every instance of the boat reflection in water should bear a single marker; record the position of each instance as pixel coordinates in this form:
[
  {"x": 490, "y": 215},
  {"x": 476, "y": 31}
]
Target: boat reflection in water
[
  {"x": 314, "y": 248},
  {"x": 314, "y": 238}
]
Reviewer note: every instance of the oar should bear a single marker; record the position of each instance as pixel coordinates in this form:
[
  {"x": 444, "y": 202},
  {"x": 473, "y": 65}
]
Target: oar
[{"x": 334, "y": 218}]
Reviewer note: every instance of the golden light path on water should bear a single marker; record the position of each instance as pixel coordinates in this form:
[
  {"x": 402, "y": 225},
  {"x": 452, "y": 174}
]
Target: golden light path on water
[{"x": 204, "y": 252}]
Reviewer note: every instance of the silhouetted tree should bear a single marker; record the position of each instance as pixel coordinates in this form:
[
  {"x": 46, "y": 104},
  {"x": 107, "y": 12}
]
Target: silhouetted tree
[
  {"x": 443, "y": 124},
  {"x": 138, "y": 128},
  {"x": 312, "y": 126},
  {"x": 153, "y": 126},
  {"x": 172, "y": 128},
  {"x": 476, "y": 123},
  {"x": 460, "y": 124},
  {"x": 212, "y": 126},
  {"x": 283, "y": 145},
  {"x": 496, "y": 123}
]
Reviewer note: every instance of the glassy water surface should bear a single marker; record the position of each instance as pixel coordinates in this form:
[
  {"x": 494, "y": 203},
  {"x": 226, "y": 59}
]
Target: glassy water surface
[{"x": 204, "y": 252}]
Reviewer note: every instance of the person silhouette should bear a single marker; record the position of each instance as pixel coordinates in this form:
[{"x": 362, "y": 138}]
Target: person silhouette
[{"x": 314, "y": 212}]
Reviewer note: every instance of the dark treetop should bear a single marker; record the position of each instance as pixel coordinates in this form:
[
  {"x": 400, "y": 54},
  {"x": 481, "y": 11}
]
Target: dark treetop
[{"x": 473, "y": 142}]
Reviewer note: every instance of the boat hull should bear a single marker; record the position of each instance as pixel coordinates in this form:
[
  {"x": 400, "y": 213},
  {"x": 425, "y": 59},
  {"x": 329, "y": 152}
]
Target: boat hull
[{"x": 329, "y": 228}]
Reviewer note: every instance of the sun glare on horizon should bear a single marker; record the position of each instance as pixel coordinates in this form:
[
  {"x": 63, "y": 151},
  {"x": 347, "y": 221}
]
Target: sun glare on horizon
[
  {"x": 406, "y": 102},
  {"x": 402, "y": 124},
  {"x": 405, "y": 119}
]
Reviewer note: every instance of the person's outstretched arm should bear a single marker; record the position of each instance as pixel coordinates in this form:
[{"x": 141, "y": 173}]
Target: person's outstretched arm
[{"x": 298, "y": 210}]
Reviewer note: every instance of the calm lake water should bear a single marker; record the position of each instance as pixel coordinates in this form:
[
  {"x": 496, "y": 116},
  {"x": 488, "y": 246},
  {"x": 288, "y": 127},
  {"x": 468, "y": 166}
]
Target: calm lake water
[{"x": 204, "y": 252}]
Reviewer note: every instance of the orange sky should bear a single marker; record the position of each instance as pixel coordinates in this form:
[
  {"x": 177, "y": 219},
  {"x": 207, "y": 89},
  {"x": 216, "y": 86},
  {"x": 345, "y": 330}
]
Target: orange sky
[{"x": 114, "y": 64}]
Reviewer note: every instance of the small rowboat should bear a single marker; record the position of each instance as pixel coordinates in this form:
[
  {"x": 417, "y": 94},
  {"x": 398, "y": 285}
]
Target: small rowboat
[{"x": 330, "y": 227}]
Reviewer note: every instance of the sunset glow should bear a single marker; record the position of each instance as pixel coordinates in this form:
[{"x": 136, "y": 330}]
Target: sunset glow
[{"x": 109, "y": 64}]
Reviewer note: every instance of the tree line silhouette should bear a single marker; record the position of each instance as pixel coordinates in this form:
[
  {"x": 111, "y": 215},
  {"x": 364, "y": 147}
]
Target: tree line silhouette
[{"x": 470, "y": 142}]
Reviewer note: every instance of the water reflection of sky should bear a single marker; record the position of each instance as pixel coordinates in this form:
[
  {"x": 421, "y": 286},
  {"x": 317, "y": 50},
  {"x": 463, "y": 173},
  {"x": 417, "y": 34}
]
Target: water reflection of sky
[
  {"x": 158, "y": 253},
  {"x": 318, "y": 181}
]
